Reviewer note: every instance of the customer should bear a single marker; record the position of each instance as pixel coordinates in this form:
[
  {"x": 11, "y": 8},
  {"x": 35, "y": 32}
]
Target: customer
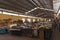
[
  {"x": 3, "y": 29},
  {"x": 14, "y": 24},
  {"x": 48, "y": 33}
]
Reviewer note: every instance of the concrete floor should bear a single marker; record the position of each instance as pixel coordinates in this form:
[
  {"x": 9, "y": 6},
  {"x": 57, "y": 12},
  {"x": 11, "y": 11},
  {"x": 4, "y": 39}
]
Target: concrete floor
[
  {"x": 56, "y": 35},
  {"x": 10, "y": 37}
]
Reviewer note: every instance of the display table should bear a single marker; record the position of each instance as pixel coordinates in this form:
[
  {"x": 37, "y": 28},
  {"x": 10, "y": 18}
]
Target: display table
[
  {"x": 26, "y": 32},
  {"x": 14, "y": 29}
]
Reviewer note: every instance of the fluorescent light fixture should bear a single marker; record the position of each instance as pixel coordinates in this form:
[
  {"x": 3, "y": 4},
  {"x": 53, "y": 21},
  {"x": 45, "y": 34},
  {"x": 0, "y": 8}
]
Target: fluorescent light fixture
[
  {"x": 29, "y": 16},
  {"x": 35, "y": 8},
  {"x": 33, "y": 20},
  {"x": 8, "y": 10},
  {"x": 31, "y": 10},
  {"x": 0, "y": 12},
  {"x": 10, "y": 13},
  {"x": 38, "y": 8},
  {"x": 13, "y": 13},
  {"x": 23, "y": 19},
  {"x": 29, "y": 20},
  {"x": 46, "y": 9}
]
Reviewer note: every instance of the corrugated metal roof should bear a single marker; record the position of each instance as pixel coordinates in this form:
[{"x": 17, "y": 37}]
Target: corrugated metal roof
[{"x": 23, "y": 6}]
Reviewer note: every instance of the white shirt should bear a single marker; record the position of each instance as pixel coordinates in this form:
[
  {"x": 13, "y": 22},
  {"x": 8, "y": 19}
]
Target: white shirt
[{"x": 12, "y": 25}]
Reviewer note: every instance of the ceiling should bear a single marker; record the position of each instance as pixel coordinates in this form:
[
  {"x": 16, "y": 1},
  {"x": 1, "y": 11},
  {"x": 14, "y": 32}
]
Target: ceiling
[
  {"x": 56, "y": 4},
  {"x": 23, "y": 6}
]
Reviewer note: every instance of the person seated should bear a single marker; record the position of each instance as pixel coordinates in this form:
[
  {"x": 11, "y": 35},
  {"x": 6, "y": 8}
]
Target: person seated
[{"x": 3, "y": 29}]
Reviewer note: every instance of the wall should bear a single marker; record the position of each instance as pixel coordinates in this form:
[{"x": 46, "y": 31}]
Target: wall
[{"x": 4, "y": 16}]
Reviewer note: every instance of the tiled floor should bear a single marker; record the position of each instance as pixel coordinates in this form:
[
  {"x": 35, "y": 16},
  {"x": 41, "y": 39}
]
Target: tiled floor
[{"x": 10, "y": 37}]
